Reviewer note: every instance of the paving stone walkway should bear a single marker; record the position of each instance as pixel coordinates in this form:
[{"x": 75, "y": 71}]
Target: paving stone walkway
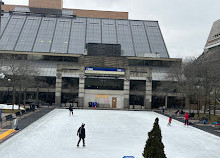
[
  {"x": 210, "y": 128},
  {"x": 26, "y": 120}
]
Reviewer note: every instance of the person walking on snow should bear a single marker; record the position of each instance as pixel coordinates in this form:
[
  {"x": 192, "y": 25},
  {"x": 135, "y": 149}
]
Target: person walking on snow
[
  {"x": 186, "y": 118},
  {"x": 82, "y": 134},
  {"x": 170, "y": 119}
]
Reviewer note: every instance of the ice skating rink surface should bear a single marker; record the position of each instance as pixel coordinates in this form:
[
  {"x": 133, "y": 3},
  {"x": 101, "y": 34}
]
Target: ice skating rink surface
[{"x": 109, "y": 134}]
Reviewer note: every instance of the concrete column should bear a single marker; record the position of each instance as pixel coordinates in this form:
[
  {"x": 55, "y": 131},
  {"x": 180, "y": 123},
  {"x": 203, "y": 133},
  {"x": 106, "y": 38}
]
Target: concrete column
[
  {"x": 58, "y": 89},
  {"x": 166, "y": 99},
  {"x": 126, "y": 92},
  {"x": 81, "y": 90},
  {"x": 148, "y": 93}
]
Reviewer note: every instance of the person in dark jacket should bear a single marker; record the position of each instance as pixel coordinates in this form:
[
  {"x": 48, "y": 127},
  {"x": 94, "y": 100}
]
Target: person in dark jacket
[
  {"x": 71, "y": 109},
  {"x": 82, "y": 134}
]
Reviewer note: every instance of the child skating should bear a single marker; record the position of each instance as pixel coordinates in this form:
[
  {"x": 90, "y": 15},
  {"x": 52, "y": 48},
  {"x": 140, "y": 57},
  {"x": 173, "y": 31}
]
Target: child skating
[{"x": 170, "y": 119}]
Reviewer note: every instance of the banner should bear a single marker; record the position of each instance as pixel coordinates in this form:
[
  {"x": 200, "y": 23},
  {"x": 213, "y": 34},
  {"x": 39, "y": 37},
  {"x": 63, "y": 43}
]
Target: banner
[
  {"x": 110, "y": 71},
  {"x": 101, "y": 96}
]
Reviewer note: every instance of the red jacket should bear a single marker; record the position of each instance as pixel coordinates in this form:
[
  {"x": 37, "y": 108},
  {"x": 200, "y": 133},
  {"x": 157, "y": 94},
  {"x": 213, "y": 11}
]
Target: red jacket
[
  {"x": 170, "y": 119},
  {"x": 187, "y": 116}
]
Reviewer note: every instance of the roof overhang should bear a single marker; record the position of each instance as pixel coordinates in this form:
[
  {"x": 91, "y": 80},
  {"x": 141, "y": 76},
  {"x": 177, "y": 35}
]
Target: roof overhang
[
  {"x": 40, "y": 53},
  {"x": 156, "y": 59}
]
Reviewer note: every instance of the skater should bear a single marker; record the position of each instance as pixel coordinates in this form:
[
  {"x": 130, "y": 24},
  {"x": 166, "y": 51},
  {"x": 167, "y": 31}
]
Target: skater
[
  {"x": 186, "y": 119},
  {"x": 82, "y": 134},
  {"x": 71, "y": 109},
  {"x": 170, "y": 119}
]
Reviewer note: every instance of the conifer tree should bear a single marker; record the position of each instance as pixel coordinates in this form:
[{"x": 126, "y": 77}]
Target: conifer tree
[{"x": 154, "y": 147}]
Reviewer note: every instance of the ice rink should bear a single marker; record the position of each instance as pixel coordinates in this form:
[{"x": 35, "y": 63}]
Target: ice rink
[{"x": 109, "y": 134}]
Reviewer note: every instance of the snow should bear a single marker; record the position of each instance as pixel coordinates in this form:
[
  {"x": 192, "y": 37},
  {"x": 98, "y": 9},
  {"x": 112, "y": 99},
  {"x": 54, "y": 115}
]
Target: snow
[
  {"x": 5, "y": 106},
  {"x": 109, "y": 134}
]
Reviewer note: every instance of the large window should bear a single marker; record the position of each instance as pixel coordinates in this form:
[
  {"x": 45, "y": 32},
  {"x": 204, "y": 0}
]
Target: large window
[
  {"x": 46, "y": 82},
  {"x": 47, "y": 98},
  {"x": 136, "y": 100},
  {"x": 125, "y": 37},
  {"x": 70, "y": 83},
  {"x": 12, "y": 31},
  {"x": 69, "y": 97},
  {"x": 60, "y": 58},
  {"x": 138, "y": 85},
  {"x": 104, "y": 84},
  {"x": 78, "y": 36}
]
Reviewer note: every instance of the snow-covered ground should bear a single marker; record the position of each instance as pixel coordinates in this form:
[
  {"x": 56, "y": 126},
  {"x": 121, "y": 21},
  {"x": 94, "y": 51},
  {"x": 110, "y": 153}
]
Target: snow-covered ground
[{"x": 109, "y": 134}]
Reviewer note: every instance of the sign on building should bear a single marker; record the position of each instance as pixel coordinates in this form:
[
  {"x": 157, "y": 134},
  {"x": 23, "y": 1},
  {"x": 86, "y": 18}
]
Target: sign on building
[{"x": 108, "y": 71}]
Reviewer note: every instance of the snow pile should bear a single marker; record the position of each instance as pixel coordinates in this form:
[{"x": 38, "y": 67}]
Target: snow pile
[{"x": 5, "y": 106}]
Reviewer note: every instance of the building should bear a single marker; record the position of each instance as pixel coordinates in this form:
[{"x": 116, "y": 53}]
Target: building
[
  {"x": 86, "y": 55},
  {"x": 212, "y": 46}
]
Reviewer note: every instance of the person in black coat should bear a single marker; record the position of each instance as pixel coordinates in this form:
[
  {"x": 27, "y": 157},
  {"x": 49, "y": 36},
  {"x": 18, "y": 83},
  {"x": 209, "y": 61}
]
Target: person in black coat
[
  {"x": 71, "y": 109},
  {"x": 82, "y": 134}
]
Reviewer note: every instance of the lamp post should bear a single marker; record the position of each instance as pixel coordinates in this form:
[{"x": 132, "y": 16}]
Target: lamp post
[
  {"x": 9, "y": 80},
  {"x": 1, "y": 76},
  {"x": 198, "y": 100}
]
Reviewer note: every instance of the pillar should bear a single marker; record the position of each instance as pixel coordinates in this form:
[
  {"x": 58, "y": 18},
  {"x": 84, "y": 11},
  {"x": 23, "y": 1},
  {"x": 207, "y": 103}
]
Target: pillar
[
  {"x": 126, "y": 92},
  {"x": 81, "y": 90},
  {"x": 166, "y": 100},
  {"x": 148, "y": 93},
  {"x": 58, "y": 89}
]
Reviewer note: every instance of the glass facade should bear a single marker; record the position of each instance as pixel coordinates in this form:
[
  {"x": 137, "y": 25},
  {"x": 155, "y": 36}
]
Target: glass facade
[
  {"x": 12, "y": 32},
  {"x": 45, "y": 35},
  {"x": 155, "y": 38},
  {"x": 109, "y": 31},
  {"x": 141, "y": 44},
  {"x": 125, "y": 37},
  {"x": 93, "y": 31},
  {"x": 77, "y": 36},
  {"x": 23, "y": 32},
  {"x": 4, "y": 21},
  {"x": 28, "y": 34},
  {"x": 61, "y": 36}
]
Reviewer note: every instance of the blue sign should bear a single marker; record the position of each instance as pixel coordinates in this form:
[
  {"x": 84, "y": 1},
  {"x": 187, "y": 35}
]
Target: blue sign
[
  {"x": 0, "y": 113},
  {"x": 128, "y": 157},
  {"x": 104, "y": 69}
]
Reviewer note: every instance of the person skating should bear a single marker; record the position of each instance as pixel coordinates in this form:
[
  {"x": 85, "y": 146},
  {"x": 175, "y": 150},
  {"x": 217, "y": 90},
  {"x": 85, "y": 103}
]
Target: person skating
[
  {"x": 170, "y": 119},
  {"x": 82, "y": 134},
  {"x": 186, "y": 118},
  {"x": 71, "y": 109}
]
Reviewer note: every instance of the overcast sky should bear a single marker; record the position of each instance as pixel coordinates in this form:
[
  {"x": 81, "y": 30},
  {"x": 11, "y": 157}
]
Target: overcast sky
[{"x": 185, "y": 24}]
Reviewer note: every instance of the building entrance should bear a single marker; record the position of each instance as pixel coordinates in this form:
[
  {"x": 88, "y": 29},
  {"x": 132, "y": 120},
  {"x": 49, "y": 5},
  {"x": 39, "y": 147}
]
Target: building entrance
[{"x": 114, "y": 102}]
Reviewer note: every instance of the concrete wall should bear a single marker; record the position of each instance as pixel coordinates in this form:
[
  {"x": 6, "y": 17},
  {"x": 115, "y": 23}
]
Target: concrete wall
[
  {"x": 104, "y": 98},
  {"x": 100, "y": 14},
  {"x": 55, "y": 4}
]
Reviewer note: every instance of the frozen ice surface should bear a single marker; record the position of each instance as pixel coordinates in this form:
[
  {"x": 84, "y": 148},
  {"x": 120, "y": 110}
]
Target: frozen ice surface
[{"x": 109, "y": 134}]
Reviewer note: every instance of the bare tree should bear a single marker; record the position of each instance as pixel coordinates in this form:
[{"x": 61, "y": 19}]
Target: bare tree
[
  {"x": 21, "y": 73},
  {"x": 196, "y": 78}
]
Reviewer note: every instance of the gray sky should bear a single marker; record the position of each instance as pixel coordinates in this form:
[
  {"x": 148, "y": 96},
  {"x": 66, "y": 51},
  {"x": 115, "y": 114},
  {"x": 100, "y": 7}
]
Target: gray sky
[{"x": 185, "y": 24}]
